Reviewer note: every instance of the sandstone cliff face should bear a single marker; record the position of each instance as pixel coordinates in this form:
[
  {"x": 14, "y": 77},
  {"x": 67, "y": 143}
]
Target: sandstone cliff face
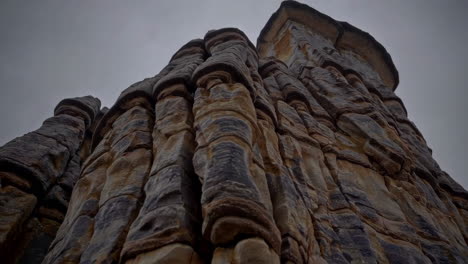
[{"x": 294, "y": 151}]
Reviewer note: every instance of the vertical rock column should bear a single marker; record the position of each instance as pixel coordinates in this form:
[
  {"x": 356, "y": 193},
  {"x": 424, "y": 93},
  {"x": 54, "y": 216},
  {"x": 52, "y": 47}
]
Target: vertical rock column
[
  {"x": 167, "y": 229},
  {"x": 302, "y": 179},
  {"x": 38, "y": 172},
  {"x": 235, "y": 197},
  {"x": 122, "y": 192},
  {"x": 107, "y": 196},
  {"x": 290, "y": 213}
]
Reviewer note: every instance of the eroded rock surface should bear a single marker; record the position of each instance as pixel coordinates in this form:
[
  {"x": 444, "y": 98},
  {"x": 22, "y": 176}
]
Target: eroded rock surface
[{"x": 294, "y": 151}]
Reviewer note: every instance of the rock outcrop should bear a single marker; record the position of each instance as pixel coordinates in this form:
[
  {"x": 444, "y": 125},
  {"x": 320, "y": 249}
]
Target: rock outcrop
[{"x": 294, "y": 151}]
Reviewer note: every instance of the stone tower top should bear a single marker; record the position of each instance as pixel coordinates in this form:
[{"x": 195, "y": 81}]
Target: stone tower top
[{"x": 295, "y": 27}]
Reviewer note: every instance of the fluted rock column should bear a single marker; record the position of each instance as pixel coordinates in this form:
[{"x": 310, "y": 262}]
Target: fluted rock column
[
  {"x": 38, "y": 172},
  {"x": 106, "y": 198},
  {"x": 167, "y": 228},
  {"x": 235, "y": 197}
]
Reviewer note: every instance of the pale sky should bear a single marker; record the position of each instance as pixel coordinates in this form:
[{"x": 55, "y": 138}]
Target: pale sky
[{"x": 50, "y": 50}]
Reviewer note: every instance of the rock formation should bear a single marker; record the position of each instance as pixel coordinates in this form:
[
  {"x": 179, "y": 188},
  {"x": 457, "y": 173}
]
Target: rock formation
[{"x": 294, "y": 151}]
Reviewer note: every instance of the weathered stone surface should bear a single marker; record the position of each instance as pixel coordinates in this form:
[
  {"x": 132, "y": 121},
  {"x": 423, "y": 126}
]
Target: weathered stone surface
[
  {"x": 235, "y": 197},
  {"x": 45, "y": 165},
  {"x": 173, "y": 253},
  {"x": 110, "y": 188},
  {"x": 106, "y": 242},
  {"x": 37, "y": 238},
  {"x": 297, "y": 151},
  {"x": 169, "y": 215},
  {"x": 254, "y": 250},
  {"x": 15, "y": 208},
  {"x": 251, "y": 250}
]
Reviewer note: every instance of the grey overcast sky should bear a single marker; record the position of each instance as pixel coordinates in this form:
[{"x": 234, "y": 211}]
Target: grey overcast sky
[{"x": 50, "y": 50}]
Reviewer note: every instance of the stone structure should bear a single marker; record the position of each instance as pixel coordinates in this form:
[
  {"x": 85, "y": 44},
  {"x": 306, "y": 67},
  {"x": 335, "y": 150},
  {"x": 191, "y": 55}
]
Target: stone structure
[{"x": 294, "y": 151}]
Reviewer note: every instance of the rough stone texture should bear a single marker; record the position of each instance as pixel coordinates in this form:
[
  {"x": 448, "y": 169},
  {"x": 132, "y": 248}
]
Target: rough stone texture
[
  {"x": 294, "y": 151},
  {"x": 38, "y": 172}
]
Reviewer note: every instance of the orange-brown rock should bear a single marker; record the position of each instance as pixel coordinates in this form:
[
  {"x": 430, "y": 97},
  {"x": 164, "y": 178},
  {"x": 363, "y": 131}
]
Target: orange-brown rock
[{"x": 293, "y": 151}]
